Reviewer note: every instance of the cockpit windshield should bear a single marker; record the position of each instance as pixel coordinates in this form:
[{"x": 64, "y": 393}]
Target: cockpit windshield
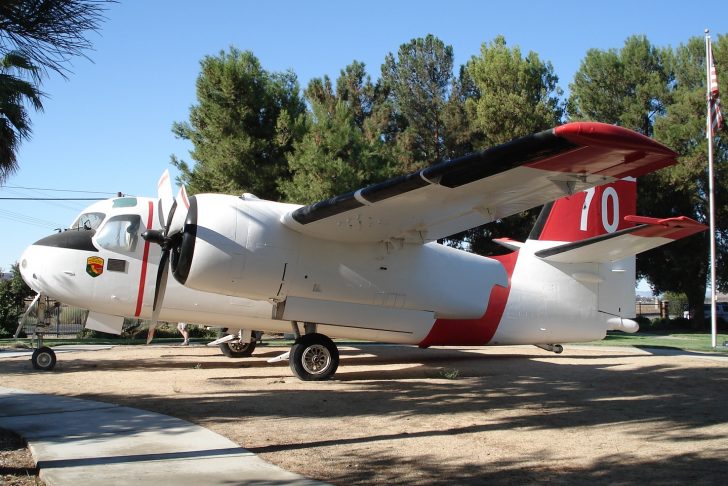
[
  {"x": 120, "y": 233},
  {"x": 88, "y": 221}
]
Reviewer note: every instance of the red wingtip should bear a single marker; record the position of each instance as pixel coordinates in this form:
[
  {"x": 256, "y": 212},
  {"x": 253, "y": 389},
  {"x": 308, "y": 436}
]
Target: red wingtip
[
  {"x": 635, "y": 153},
  {"x": 595, "y": 133}
]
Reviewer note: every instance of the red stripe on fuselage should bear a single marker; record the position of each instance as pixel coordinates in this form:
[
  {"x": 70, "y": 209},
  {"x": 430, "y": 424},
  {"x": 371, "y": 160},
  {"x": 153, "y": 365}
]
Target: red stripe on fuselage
[
  {"x": 475, "y": 332},
  {"x": 145, "y": 258}
]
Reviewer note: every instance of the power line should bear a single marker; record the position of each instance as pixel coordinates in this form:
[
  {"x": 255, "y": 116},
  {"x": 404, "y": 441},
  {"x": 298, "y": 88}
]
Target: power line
[
  {"x": 57, "y": 190},
  {"x": 54, "y": 198},
  {"x": 24, "y": 218},
  {"x": 72, "y": 205}
]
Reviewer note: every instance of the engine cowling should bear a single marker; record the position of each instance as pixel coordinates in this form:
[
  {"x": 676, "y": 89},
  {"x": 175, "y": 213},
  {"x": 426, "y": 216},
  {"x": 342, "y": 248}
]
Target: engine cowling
[{"x": 234, "y": 246}]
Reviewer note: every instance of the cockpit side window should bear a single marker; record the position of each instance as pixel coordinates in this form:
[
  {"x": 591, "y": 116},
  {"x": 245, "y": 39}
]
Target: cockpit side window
[
  {"x": 120, "y": 233},
  {"x": 88, "y": 221}
]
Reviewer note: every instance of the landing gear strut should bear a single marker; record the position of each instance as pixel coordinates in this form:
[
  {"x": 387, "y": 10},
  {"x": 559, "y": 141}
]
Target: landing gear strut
[{"x": 43, "y": 358}]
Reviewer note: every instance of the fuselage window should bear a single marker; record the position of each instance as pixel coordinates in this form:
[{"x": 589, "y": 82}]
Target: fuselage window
[
  {"x": 120, "y": 233},
  {"x": 124, "y": 202},
  {"x": 88, "y": 221}
]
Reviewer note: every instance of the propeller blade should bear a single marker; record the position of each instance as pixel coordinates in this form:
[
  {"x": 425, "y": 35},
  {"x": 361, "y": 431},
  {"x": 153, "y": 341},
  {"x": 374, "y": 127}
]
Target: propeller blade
[
  {"x": 159, "y": 290},
  {"x": 169, "y": 217},
  {"x": 150, "y": 333},
  {"x": 161, "y": 285},
  {"x": 166, "y": 197},
  {"x": 175, "y": 224},
  {"x": 168, "y": 238}
]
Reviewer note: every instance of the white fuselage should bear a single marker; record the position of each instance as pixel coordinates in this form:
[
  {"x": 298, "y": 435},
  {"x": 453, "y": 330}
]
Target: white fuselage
[{"x": 261, "y": 275}]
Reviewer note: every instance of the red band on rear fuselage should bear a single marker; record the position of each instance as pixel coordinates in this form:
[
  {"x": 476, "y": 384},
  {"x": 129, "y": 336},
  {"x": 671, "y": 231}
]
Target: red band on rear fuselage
[
  {"x": 145, "y": 257},
  {"x": 475, "y": 332}
]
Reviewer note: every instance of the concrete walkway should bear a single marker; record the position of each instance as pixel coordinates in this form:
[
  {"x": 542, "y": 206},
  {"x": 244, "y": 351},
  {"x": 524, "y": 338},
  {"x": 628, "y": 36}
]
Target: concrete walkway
[{"x": 82, "y": 442}]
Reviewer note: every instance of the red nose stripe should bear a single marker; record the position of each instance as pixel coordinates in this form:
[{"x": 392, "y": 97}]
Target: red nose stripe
[{"x": 145, "y": 258}]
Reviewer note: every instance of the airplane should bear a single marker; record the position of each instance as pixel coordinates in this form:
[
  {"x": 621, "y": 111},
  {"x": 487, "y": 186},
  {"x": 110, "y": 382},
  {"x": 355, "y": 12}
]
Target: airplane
[{"x": 367, "y": 264}]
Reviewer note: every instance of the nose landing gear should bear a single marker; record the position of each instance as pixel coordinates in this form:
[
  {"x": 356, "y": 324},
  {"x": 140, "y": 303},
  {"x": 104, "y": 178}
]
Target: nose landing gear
[{"x": 43, "y": 358}]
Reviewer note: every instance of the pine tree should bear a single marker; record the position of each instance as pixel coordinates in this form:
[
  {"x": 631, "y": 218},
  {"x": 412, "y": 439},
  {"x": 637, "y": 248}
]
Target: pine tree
[{"x": 242, "y": 128}]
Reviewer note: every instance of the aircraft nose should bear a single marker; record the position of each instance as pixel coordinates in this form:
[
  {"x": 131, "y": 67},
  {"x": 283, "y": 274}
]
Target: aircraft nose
[{"x": 30, "y": 267}]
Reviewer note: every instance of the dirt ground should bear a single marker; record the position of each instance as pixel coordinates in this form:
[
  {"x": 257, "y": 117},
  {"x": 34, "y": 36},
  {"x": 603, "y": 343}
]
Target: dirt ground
[
  {"x": 401, "y": 415},
  {"x": 17, "y": 467}
]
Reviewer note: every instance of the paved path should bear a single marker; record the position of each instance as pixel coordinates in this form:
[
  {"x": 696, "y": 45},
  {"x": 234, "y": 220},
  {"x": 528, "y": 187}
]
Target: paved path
[{"x": 82, "y": 442}]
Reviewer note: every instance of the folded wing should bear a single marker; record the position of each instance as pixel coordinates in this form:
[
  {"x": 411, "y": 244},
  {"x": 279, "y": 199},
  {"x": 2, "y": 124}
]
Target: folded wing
[{"x": 462, "y": 193}]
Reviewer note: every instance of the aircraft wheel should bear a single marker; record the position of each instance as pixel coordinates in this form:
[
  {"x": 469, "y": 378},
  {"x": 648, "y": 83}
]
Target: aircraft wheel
[
  {"x": 314, "y": 357},
  {"x": 236, "y": 349},
  {"x": 43, "y": 359}
]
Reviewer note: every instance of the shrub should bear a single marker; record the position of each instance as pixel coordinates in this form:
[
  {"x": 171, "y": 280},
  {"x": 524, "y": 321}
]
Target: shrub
[{"x": 12, "y": 295}]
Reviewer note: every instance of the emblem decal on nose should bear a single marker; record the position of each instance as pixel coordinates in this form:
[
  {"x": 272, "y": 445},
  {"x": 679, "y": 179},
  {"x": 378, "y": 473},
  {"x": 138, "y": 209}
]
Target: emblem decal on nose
[{"x": 94, "y": 266}]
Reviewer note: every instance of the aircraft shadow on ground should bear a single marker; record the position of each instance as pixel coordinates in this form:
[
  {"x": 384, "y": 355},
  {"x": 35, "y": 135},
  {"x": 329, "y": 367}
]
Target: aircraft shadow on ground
[
  {"x": 553, "y": 396},
  {"x": 683, "y": 469},
  {"x": 585, "y": 393}
]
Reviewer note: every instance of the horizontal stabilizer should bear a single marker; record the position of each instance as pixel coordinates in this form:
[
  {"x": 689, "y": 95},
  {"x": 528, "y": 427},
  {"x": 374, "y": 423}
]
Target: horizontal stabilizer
[
  {"x": 509, "y": 243},
  {"x": 648, "y": 234}
]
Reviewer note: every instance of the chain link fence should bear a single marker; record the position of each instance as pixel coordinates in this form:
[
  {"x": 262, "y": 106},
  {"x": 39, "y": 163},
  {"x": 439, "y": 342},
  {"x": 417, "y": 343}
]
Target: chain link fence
[{"x": 57, "y": 319}]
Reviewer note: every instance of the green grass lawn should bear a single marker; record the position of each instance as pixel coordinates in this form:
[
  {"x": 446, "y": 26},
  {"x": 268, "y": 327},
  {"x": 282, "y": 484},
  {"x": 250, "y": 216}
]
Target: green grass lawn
[
  {"x": 677, "y": 340},
  {"x": 700, "y": 342}
]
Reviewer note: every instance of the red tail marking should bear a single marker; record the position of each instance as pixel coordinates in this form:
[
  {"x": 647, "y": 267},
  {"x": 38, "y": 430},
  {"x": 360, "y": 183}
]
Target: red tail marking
[
  {"x": 591, "y": 213},
  {"x": 145, "y": 258},
  {"x": 475, "y": 332}
]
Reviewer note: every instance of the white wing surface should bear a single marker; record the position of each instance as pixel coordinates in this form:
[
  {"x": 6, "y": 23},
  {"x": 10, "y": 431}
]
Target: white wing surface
[{"x": 462, "y": 193}]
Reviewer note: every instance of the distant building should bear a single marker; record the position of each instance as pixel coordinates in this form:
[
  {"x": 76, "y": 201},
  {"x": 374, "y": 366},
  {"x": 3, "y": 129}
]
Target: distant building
[{"x": 6, "y": 276}]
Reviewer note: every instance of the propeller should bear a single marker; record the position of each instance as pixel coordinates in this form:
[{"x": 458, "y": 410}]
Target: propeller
[{"x": 169, "y": 239}]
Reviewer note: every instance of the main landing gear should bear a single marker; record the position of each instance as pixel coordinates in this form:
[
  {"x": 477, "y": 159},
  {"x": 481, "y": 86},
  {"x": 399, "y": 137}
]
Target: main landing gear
[
  {"x": 313, "y": 356},
  {"x": 240, "y": 345}
]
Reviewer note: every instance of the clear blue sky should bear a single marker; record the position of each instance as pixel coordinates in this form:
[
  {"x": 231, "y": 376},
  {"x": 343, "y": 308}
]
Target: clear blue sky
[{"x": 107, "y": 128}]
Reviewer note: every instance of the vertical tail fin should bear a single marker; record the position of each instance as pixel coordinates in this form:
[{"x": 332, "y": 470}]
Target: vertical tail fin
[{"x": 596, "y": 211}]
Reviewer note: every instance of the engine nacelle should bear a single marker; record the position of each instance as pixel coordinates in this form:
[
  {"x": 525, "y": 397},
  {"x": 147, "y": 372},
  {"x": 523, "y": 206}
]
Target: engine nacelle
[{"x": 234, "y": 246}]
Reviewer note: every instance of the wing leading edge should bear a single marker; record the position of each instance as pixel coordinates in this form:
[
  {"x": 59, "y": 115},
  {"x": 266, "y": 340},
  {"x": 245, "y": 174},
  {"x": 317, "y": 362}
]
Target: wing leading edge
[{"x": 462, "y": 193}]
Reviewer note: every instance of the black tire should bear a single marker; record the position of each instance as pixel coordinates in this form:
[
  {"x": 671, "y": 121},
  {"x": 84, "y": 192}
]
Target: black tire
[
  {"x": 314, "y": 357},
  {"x": 43, "y": 359},
  {"x": 236, "y": 349}
]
